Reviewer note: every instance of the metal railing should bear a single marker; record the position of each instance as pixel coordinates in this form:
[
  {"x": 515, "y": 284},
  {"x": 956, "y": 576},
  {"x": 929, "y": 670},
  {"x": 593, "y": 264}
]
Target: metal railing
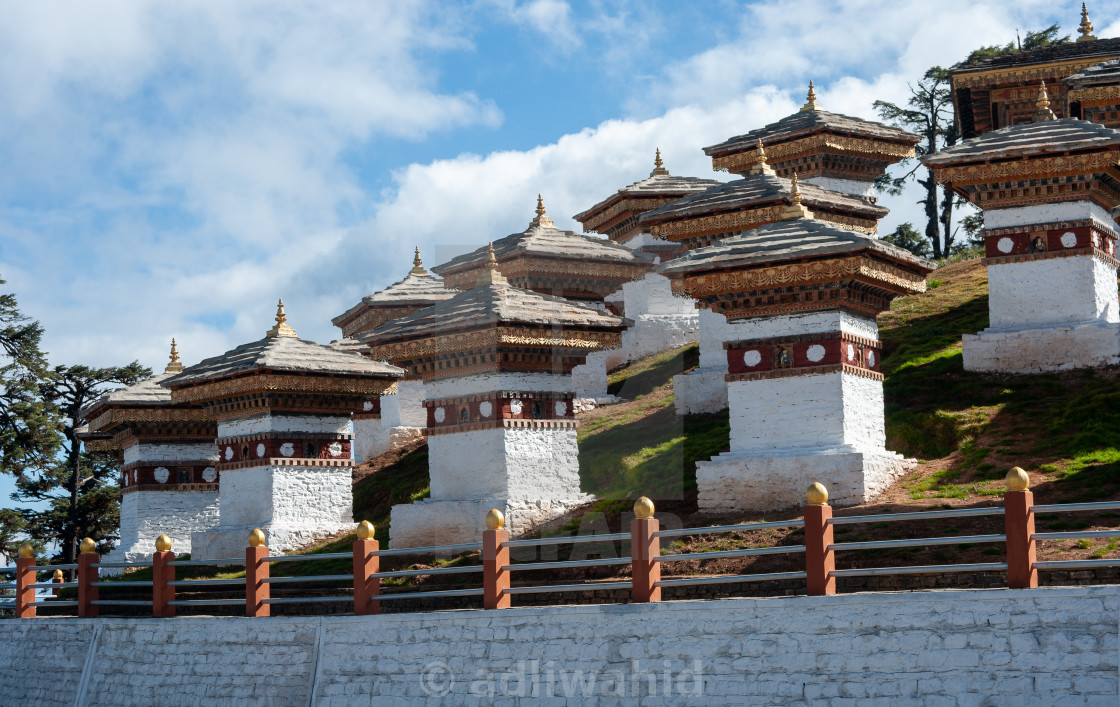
[{"x": 491, "y": 580}]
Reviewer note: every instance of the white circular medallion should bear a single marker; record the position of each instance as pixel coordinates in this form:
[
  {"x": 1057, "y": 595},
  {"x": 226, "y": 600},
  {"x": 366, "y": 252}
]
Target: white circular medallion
[
  {"x": 287, "y": 449},
  {"x": 752, "y": 358},
  {"x": 229, "y": 453},
  {"x": 561, "y": 408},
  {"x": 485, "y": 408},
  {"x": 1096, "y": 241},
  {"x": 815, "y": 353},
  {"x": 871, "y": 358},
  {"x": 515, "y": 406},
  {"x": 162, "y": 474},
  {"x": 851, "y": 352},
  {"x": 1005, "y": 245},
  {"x": 440, "y": 415},
  {"x": 209, "y": 474},
  {"x": 1069, "y": 239},
  {"x": 335, "y": 449},
  {"x": 367, "y": 406},
  {"x": 260, "y": 449}
]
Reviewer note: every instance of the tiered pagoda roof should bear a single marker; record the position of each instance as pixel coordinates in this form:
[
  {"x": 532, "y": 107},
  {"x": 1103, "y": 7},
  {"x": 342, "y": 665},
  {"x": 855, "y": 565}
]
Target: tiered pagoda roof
[
  {"x": 548, "y": 260},
  {"x": 1000, "y": 91},
  {"x": 752, "y": 202},
  {"x": 418, "y": 290},
  {"x": 795, "y": 265},
  {"x": 617, "y": 216},
  {"x": 1094, "y": 93},
  {"x": 283, "y": 371},
  {"x": 495, "y": 327}
]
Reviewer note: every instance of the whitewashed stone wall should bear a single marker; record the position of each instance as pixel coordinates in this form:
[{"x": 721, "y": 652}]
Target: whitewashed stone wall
[
  {"x": 490, "y": 382},
  {"x": 1048, "y": 213},
  {"x": 403, "y": 420},
  {"x": 531, "y": 475},
  {"x": 856, "y": 187},
  {"x": 293, "y": 505},
  {"x": 1045, "y": 647},
  {"x": 174, "y": 453},
  {"x": 145, "y": 515},
  {"x": 589, "y": 379}
]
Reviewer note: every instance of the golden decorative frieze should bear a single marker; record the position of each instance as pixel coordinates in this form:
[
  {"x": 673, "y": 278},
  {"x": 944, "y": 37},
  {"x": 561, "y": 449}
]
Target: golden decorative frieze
[
  {"x": 146, "y": 416},
  {"x": 814, "y": 145},
  {"x": 623, "y": 207},
  {"x": 371, "y": 318},
  {"x": 279, "y": 383},
  {"x": 1095, "y": 93},
  {"x": 574, "y": 269},
  {"x": 447, "y": 344},
  {"x": 1086, "y": 163},
  {"x": 747, "y": 280},
  {"x": 718, "y": 223},
  {"x": 1051, "y": 73}
]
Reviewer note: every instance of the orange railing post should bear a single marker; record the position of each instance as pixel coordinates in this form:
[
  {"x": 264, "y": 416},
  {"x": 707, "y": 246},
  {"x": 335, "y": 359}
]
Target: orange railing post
[
  {"x": 1018, "y": 521},
  {"x": 25, "y": 577},
  {"x": 256, "y": 571},
  {"x": 819, "y": 559},
  {"x": 366, "y": 588},
  {"x": 495, "y": 557},
  {"x": 87, "y": 575},
  {"x": 645, "y": 551},
  {"x": 163, "y": 574}
]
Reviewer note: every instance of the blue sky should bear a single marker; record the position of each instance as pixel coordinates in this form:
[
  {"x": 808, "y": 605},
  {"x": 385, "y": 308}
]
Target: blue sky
[{"x": 172, "y": 169}]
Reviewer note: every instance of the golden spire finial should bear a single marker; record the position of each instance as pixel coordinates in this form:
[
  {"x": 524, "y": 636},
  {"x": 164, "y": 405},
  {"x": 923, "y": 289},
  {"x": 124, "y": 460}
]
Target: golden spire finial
[
  {"x": 1042, "y": 105},
  {"x": 174, "y": 366},
  {"x": 1086, "y": 28},
  {"x": 795, "y": 209},
  {"x": 658, "y": 165},
  {"x": 417, "y": 264},
  {"x": 541, "y": 219},
  {"x": 810, "y": 100},
  {"x": 760, "y": 166},
  {"x": 281, "y": 329},
  {"x": 491, "y": 275}
]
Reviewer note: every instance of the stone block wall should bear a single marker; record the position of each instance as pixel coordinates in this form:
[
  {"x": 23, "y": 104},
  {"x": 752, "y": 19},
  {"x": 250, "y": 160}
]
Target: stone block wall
[{"x": 1054, "y": 646}]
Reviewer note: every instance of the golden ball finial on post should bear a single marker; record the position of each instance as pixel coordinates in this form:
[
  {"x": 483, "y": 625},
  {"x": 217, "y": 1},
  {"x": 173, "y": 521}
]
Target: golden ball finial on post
[
  {"x": 89, "y": 547},
  {"x": 817, "y": 495},
  {"x": 495, "y": 520},
  {"x": 26, "y": 550},
  {"x": 256, "y": 538},
  {"x": 1017, "y": 480},
  {"x": 58, "y": 575},
  {"x": 366, "y": 530},
  {"x": 643, "y": 508},
  {"x": 163, "y": 543}
]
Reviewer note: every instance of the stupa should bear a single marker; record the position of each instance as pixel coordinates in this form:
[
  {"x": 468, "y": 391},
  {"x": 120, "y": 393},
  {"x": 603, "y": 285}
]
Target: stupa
[
  {"x": 496, "y": 362},
  {"x": 398, "y": 416},
  {"x": 169, "y": 475},
  {"x": 1048, "y": 190},
  {"x": 843, "y": 156},
  {"x": 661, "y": 319},
  {"x": 1000, "y": 92},
  {"x": 804, "y": 384},
  {"x": 552, "y": 261},
  {"x": 282, "y": 407}
]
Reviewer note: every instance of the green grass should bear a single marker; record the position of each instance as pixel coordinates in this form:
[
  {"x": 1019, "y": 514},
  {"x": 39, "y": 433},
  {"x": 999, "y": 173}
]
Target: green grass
[{"x": 642, "y": 377}]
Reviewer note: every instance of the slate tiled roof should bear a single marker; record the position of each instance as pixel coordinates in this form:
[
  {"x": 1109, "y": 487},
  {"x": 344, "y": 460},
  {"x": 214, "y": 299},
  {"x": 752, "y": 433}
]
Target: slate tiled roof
[
  {"x": 496, "y": 303},
  {"x": 1044, "y": 137},
  {"x": 1106, "y": 72},
  {"x": 415, "y": 290},
  {"x": 1044, "y": 55},
  {"x": 757, "y": 190},
  {"x": 286, "y": 354},
  {"x": 146, "y": 392},
  {"x": 656, "y": 185},
  {"x": 547, "y": 241},
  {"x": 809, "y": 122},
  {"x": 784, "y": 241}
]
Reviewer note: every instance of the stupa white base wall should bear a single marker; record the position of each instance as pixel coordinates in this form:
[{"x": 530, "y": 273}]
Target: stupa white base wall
[
  {"x": 704, "y": 389},
  {"x": 293, "y": 505},
  {"x": 1059, "y": 291},
  {"x": 403, "y": 420},
  {"x": 741, "y": 483},
  {"x": 789, "y": 431},
  {"x": 531, "y": 472},
  {"x": 589, "y": 380},
  {"x": 145, "y": 515},
  {"x": 1055, "y": 348}
]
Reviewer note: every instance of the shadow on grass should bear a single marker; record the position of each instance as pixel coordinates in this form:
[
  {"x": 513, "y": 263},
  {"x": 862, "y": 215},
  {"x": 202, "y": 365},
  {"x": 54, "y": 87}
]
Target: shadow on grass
[{"x": 655, "y": 374}]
